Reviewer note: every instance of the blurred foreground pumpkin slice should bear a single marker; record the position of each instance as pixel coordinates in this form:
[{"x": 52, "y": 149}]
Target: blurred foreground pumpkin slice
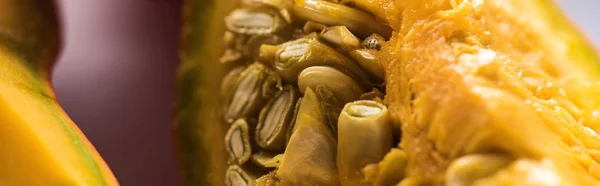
[{"x": 39, "y": 143}]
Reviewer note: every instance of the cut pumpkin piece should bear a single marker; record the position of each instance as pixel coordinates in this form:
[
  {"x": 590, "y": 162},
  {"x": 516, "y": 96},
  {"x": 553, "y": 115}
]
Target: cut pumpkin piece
[
  {"x": 480, "y": 92},
  {"x": 494, "y": 76},
  {"x": 39, "y": 144}
]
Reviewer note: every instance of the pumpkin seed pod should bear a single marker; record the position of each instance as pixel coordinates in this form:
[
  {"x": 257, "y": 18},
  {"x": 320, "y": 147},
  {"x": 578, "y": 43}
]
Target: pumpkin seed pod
[
  {"x": 334, "y": 14},
  {"x": 374, "y": 41},
  {"x": 389, "y": 171},
  {"x": 310, "y": 27},
  {"x": 466, "y": 170},
  {"x": 253, "y": 21},
  {"x": 340, "y": 37},
  {"x": 268, "y": 180},
  {"x": 292, "y": 126},
  {"x": 364, "y": 137},
  {"x": 237, "y": 141},
  {"x": 236, "y": 176},
  {"x": 342, "y": 86},
  {"x": 312, "y": 144},
  {"x": 293, "y": 57},
  {"x": 269, "y": 54},
  {"x": 229, "y": 82},
  {"x": 368, "y": 61},
  {"x": 266, "y": 160},
  {"x": 275, "y": 118},
  {"x": 247, "y": 99}
]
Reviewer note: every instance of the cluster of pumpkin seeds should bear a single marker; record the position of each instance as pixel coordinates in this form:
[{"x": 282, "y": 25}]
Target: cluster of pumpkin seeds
[
  {"x": 304, "y": 96},
  {"x": 304, "y": 99}
]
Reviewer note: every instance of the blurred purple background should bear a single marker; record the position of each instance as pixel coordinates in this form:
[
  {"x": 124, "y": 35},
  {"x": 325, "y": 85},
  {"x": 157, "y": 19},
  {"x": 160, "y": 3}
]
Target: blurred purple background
[{"x": 116, "y": 76}]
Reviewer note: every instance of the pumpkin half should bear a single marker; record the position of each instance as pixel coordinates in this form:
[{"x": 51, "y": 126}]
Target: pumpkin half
[{"x": 386, "y": 92}]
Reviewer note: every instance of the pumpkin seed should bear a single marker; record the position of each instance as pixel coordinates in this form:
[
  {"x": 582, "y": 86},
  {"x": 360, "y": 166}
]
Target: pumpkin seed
[
  {"x": 342, "y": 86},
  {"x": 247, "y": 99},
  {"x": 365, "y": 134},
  {"x": 229, "y": 82},
  {"x": 333, "y": 14},
  {"x": 368, "y": 61},
  {"x": 253, "y": 21},
  {"x": 340, "y": 37},
  {"x": 237, "y": 140},
  {"x": 236, "y": 176},
  {"x": 293, "y": 57},
  {"x": 292, "y": 126},
  {"x": 275, "y": 118}
]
